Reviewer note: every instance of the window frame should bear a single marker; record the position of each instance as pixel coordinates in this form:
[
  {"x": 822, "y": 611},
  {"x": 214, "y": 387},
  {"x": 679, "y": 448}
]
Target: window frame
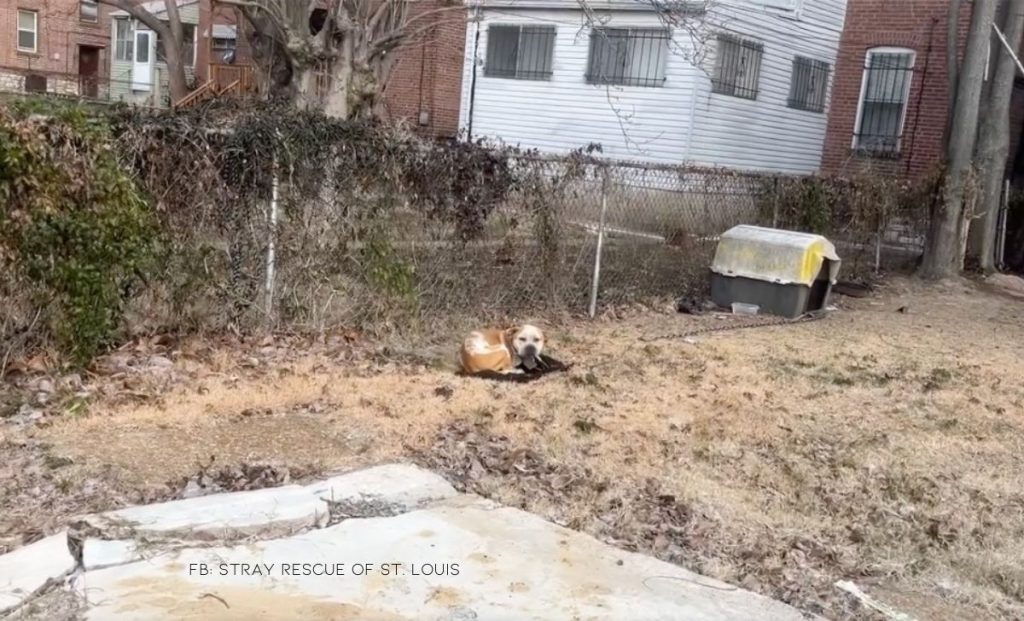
[
  {"x": 520, "y": 73},
  {"x": 729, "y": 89},
  {"x": 661, "y": 36},
  {"x": 129, "y": 42},
  {"x": 217, "y": 52},
  {"x": 791, "y": 6},
  {"x": 35, "y": 31},
  {"x": 96, "y": 8},
  {"x": 861, "y": 99},
  {"x": 812, "y": 65}
]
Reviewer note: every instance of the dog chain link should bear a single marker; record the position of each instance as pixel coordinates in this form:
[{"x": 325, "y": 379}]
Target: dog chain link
[{"x": 805, "y": 318}]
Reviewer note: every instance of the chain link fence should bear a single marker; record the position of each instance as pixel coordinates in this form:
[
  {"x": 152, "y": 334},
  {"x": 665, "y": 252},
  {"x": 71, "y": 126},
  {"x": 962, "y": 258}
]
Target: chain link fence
[
  {"x": 571, "y": 235},
  {"x": 290, "y": 221}
]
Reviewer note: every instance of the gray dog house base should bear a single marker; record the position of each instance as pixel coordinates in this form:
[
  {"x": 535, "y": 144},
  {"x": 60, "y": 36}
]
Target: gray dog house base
[{"x": 784, "y": 272}]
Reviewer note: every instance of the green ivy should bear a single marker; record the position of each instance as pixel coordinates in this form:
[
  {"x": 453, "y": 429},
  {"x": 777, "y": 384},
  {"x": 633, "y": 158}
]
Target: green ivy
[{"x": 72, "y": 222}]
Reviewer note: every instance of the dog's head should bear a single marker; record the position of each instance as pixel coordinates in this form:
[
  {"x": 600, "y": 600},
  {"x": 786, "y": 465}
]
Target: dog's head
[{"x": 527, "y": 342}]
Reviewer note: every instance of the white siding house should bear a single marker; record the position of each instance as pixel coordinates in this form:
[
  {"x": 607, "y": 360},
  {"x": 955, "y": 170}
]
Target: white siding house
[
  {"x": 753, "y": 95},
  {"x": 137, "y": 73}
]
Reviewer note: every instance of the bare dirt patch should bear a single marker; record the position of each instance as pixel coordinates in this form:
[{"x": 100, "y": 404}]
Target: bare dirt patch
[{"x": 878, "y": 446}]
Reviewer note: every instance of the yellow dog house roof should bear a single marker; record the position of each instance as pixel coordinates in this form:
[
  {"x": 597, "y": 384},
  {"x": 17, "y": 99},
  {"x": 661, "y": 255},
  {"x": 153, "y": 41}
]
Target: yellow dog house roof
[{"x": 772, "y": 255}]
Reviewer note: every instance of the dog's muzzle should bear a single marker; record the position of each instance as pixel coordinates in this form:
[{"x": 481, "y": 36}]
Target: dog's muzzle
[{"x": 529, "y": 356}]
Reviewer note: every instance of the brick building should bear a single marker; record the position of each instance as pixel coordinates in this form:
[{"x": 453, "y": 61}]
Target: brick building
[
  {"x": 425, "y": 85},
  {"x": 64, "y": 46},
  {"x": 60, "y": 44},
  {"x": 890, "y": 96}
]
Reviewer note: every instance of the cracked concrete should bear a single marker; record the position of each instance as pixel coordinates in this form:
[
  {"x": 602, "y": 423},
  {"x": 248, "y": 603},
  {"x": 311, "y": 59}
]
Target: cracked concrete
[{"x": 427, "y": 553}]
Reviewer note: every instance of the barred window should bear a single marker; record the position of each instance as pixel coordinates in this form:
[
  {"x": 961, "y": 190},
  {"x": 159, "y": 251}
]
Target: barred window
[
  {"x": 519, "y": 52},
  {"x": 885, "y": 91},
  {"x": 737, "y": 67},
  {"x": 808, "y": 85},
  {"x": 628, "y": 56}
]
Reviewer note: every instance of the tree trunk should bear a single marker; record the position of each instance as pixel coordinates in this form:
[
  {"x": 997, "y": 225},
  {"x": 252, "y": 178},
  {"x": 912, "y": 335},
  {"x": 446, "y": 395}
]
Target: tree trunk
[
  {"x": 176, "y": 79},
  {"x": 952, "y": 58},
  {"x": 307, "y": 95},
  {"x": 943, "y": 255},
  {"x": 994, "y": 140},
  {"x": 173, "y": 48},
  {"x": 336, "y": 101}
]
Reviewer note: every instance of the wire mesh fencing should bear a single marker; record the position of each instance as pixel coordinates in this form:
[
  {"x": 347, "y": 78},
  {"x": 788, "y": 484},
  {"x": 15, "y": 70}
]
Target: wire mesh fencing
[
  {"x": 571, "y": 235},
  {"x": 286, "y": 220}
]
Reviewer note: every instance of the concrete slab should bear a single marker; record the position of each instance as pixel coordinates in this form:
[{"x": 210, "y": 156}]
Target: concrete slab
[
  {"x": 266, "y": 512},
  {"x": 28, "y": 569},
  {"x": 100, "y": 553},
  {"x": 384, "y": 490},
  {"x": 464, "y": 558}
]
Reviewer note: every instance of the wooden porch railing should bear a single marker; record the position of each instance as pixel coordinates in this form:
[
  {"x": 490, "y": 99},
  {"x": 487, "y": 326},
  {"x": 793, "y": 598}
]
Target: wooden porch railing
[
  {"x": 223, "y": 80},
  {"x": 204, "y": 92},
  {"x": 237, "y": 79}
]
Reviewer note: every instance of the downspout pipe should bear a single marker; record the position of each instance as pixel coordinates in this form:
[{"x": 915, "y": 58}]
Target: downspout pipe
[{"x": 476, "y": 60}]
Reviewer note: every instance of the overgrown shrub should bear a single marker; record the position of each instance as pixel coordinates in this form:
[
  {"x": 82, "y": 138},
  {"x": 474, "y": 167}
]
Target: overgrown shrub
[
  {"x": 802, "y": 203},
  {"x": 73, "y": 224}
]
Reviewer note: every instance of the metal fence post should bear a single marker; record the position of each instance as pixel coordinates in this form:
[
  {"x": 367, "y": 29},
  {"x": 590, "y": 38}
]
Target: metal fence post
[
  {"x": 600, "y": 244},
  {"x": 268, "y": 287},
  {"x": 878, "y": 248},
  {"x": 1001, "y": 218}
]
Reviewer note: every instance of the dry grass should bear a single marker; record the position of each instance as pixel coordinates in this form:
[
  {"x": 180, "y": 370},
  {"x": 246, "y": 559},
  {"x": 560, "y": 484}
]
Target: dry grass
[{"x": 877, "y": 446}]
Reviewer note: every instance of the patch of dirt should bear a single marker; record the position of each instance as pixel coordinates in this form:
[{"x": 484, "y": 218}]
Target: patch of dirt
[{"x": 881, "y": 445}]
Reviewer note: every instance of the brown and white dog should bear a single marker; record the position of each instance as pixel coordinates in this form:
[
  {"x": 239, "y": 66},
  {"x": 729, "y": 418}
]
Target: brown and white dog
[{"x": 502, "y": 351}]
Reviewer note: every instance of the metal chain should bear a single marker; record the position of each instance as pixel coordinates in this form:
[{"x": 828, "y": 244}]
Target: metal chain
[{"x": 805, "y": 318}]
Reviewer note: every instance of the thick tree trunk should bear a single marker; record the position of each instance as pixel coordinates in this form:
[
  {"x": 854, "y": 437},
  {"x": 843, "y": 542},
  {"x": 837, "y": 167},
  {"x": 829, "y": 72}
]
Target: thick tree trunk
[
  {"x": 943, "y": 255},
  {"x": 994, "y": 140},
  {"x": 305, "y": 85},
  {"x": 173, "y": 48},
  {"x": 952, "y": 58},
  {"x": 177, "y": 81}
]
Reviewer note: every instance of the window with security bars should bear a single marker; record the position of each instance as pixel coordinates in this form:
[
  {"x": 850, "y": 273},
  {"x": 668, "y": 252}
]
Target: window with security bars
[
  {"x": 808, "y": 85},
  {"x": 885, "y": 92},
  {"x": 737, "y": 67},
  {"x": 628, "y": 56},
  {"x": 519, "y": 52}
]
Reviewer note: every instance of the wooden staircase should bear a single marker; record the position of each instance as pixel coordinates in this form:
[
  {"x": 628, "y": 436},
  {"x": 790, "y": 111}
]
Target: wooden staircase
[
  {"x": 208, "y": 90},
  {"x": 224, "y": 80}
]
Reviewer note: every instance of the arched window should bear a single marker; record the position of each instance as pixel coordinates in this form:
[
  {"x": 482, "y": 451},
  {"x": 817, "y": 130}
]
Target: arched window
[{"x": 884, "y": 95}]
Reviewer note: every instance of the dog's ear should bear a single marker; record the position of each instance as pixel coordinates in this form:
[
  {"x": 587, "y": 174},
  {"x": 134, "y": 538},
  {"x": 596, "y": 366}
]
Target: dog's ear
[{"x": 509, "y": 335}]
